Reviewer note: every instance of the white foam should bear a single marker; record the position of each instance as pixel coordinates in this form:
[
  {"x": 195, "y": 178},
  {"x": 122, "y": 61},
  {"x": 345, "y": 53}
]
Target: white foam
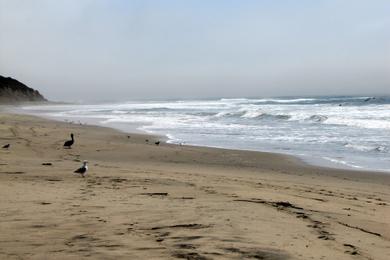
[{"x": 339, "y": 161}]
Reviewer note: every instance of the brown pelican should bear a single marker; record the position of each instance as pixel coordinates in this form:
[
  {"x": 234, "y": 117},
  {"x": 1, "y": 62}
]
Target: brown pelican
[{"x": 69, "y": 143}]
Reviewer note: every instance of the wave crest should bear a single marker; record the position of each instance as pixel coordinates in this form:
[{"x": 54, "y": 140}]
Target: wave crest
[{"x": 318, "y": 118}]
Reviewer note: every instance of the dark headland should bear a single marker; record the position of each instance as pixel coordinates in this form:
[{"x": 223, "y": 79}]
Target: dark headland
[{"x": 12, "y": 91}]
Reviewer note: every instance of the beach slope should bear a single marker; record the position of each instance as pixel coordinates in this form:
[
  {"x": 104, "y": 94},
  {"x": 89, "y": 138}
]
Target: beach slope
[{"x": 145, "y": 201}]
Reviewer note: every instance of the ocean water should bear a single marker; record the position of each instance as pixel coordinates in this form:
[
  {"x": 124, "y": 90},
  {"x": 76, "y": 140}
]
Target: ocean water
[{"x": 351, "y": 132}]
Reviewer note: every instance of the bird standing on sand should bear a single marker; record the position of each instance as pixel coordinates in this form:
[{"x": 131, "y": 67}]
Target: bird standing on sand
[
  {"x": 6, "y": 146},
  {"x": 157, "y": 143},
  {"x": 69, "y": 143},
  {"x": 83, "y": 169}
]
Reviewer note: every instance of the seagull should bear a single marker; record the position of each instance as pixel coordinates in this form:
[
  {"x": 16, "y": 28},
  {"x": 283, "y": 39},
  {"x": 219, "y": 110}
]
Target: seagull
[
  {"x": 6, "y": 146},
  {"x": 83, "y": 169},
  {"x": 69, "y": 143}
]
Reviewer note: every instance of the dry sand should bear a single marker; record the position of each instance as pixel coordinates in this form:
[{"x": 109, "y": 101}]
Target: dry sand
[{"x": 142, "y": 201}]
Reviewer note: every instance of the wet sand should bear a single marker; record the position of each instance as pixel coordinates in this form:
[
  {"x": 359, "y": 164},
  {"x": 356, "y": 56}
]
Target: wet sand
[{"x": 143, "y": 201}]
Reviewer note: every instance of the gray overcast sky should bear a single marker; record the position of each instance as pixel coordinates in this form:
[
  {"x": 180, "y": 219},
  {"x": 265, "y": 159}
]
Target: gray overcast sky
[{"x": 122, "y": 50}]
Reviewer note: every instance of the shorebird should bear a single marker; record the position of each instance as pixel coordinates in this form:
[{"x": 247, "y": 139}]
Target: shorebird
[
  {"x": 83, "y": 169},
  {"x": 157, "y": 143},
  {"x": 69, "y": 143},
  {"x": 6, "y": 146}
]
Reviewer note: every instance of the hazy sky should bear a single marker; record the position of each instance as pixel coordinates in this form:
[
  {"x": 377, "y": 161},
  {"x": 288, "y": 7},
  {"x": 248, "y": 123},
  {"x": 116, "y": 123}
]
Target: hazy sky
[{"x": 117, "y": 49}]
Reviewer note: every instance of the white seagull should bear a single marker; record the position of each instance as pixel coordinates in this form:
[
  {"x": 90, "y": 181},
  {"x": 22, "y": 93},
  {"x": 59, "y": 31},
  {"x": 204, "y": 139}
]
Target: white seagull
[{"x": 83, "y": 169}]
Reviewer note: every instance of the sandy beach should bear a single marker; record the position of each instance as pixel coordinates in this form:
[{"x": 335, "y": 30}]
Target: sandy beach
[{"x": 143, "y": 201}]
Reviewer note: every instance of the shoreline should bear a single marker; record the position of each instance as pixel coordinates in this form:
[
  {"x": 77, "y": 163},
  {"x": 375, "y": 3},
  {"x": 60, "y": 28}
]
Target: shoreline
[
  {"x": 144, "y": 201},
  {"x": 298, "y": 162},
  {"x": 134, "y": 128}
]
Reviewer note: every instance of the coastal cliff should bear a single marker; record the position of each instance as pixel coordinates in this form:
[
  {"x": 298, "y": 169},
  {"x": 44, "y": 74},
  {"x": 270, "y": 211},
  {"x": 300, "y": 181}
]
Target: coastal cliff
[{"x": 12, "y": 91}]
